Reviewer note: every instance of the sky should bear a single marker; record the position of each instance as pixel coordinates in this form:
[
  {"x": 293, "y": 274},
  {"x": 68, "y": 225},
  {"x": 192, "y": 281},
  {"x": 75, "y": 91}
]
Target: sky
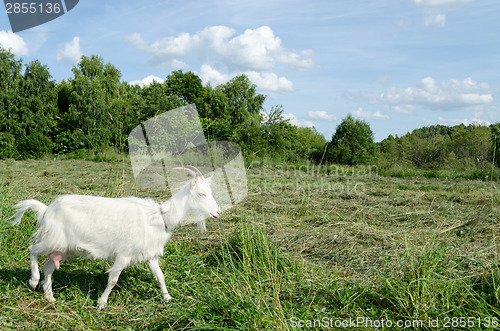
[{"x": 396, "y": 64}]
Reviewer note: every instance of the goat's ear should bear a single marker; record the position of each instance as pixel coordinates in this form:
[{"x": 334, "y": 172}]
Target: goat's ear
[
  {"x": 196, "y": 180},
  {"x": 193, "y": 182},
  {"x": 209, "y": 179}
]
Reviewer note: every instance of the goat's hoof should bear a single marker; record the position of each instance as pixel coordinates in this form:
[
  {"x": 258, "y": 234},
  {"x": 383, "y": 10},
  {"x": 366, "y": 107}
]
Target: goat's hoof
[
  {"x": 32, "y": 284},
  {"x": 50, "y": 298},
  {"x": 101, "y": 306},
  {"x": 167, "y": 298}
]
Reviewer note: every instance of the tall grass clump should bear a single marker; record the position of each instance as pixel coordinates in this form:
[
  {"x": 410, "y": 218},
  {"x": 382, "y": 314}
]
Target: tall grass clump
[
  {"x": 12, "y": 237},
  {"x": 429, "y": 285},
  {"x": 252, "y": 274}
]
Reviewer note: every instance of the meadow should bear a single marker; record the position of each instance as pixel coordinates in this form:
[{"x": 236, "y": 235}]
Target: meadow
[{"x": 313, "y": 248}]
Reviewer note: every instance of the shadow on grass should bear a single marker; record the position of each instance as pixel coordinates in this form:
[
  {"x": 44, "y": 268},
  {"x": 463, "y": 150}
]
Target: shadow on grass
[
  {"x": 14, "y": 276},
  {"x": 80, "y": 279},
  {"x": 83, "y": 280}
]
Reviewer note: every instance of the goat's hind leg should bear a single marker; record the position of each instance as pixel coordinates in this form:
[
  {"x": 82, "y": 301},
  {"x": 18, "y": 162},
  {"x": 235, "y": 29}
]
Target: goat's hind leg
[
  {"x": 35, "y": 272},
  {"x": 48, "y": 270}
]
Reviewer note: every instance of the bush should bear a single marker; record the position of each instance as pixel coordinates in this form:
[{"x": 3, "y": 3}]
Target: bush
[
  {"x": 352, "y": 143},
  {"x": 35, "y": 145},
  {"x": 69, "y": 142},
  {"x": 7, "y": 145}
]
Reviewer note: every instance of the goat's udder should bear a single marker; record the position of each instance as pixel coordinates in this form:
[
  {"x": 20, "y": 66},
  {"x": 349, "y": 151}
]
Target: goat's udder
[{"x": 57, "y": 257}]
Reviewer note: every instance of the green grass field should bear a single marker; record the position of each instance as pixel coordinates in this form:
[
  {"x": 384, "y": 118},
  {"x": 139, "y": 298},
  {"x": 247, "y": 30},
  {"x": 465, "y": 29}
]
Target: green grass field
[{"x": 339, "y": 249}]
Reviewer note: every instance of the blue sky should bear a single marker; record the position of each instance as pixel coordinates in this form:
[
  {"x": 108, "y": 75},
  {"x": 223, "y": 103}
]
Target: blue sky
[{"x": 398, "y": 64}]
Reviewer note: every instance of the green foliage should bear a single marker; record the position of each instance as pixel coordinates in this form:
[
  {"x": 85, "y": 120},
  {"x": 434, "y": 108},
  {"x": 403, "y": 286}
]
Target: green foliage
[
  {"x": 310, "y": 144},
  {"x": 352, "y": 143},
  {"x": 94, "y": 86},
  {"x": 35, "y": 145},
  {"x": 28, "y": 106},
  {"x": 154, "y": 100},
  {"x": 7, "y": 145},
  {"x": 10, "y": 78},
  {"x": 68, "y": 142},
  {"x": 242, "y": 97},
  {"x": 438, "y": 147},
  {"x": 186, "y": 86},
  {"x": 289, "y": 141},
  {"x": 495, "y": 142},
  {"x": 93, "y": 111}
]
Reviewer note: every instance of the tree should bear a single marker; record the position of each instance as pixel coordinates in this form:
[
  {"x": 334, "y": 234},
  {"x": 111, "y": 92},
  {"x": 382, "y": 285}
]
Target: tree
[
  {"x": 92, "y": 119},
  {"x": 308, "y": 144},
  {"x": 186, "y": 86},
  {"x": 10, "y": 78},
  {"x": 37, "y": 101},
  {"x": 156, "y": 99},
  {"x": 277, "y": 132},
  {"x": 27, "y": 107},
  {"x": 352, "y": 143},
  {"x": 242, "y": 97},
  {"x": 231, "y": 111},
  {"x": 495, "y": 141}
]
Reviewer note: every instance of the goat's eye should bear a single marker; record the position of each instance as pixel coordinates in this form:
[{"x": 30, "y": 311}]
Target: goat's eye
[{"x": 202, "y": 195}]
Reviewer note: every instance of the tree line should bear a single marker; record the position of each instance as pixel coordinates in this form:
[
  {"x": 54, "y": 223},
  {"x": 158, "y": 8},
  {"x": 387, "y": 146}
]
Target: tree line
[
  {"x": 95, "y": 110},
  {"x": 441, "y": 147},
  {"x": 435, "y": 147}
]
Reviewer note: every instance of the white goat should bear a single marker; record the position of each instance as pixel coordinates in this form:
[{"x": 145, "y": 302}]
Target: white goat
[{"x": 128, "y": 230}]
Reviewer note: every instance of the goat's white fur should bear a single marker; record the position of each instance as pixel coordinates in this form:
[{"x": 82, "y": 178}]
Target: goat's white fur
[{"x": 128, "y": 230}]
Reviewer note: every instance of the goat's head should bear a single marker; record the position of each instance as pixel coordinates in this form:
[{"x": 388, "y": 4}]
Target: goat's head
[{"x": 201, "y": 195}]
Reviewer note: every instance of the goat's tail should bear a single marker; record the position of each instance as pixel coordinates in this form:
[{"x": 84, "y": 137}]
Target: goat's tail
[{"x": 32, "y": 204}]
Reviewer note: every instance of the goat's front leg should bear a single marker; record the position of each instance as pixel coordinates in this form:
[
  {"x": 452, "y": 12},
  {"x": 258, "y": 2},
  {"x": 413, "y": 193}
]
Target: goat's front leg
[
  {"x": 120, "y": 264},
  {"x": 202, "y": 224},
  {"x": 48, "y": 270},
  {"x": 160, "y": 278}
]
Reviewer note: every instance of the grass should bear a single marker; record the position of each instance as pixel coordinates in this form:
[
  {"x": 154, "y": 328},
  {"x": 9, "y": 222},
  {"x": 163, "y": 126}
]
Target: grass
[
  {"x": 308, "y": 247},
  {"x": 471, "y": 174}
]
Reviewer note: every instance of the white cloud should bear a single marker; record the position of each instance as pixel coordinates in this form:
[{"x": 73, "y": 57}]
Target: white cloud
[
  {"x": 136, "y": 41},
  {"x": 438, "y": 3},
  {"x": 366, "y": 115},
  {"x": 13, "y": 42},
  {"x": 216, "y": 37},
  {"x": 265, "y": 81},
  {"x": 295, "y": 121},
  {"x": 226, "y": 54},
  {"x": 260, "y": 49},
  {"x": 254, "y": 49},
  {"x": 166, "y": 51},
  {"x": 70, "y": 52},
  {"x": 432, "y": 10},
  {"x": 429, "y": 94},
  {"x": 322, "y": 115},
  {"x": 212, "y": 75},
  {"x": 465, "y": 121},
  {"x": 434, "y": 19},
  {"x": 269, "y": 81},
  {"x": 146, "y": 81}
]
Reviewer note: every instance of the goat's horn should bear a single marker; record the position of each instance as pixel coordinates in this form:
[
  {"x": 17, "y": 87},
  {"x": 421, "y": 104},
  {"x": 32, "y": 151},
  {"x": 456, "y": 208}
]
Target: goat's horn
[
  {"x": 189, "y": 171},
  {"x": 198, "y": 172}
]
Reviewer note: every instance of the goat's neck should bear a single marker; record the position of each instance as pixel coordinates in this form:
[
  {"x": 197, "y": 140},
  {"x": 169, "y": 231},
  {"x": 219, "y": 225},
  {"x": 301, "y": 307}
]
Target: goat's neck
[{"x": 176, "y": 208}]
